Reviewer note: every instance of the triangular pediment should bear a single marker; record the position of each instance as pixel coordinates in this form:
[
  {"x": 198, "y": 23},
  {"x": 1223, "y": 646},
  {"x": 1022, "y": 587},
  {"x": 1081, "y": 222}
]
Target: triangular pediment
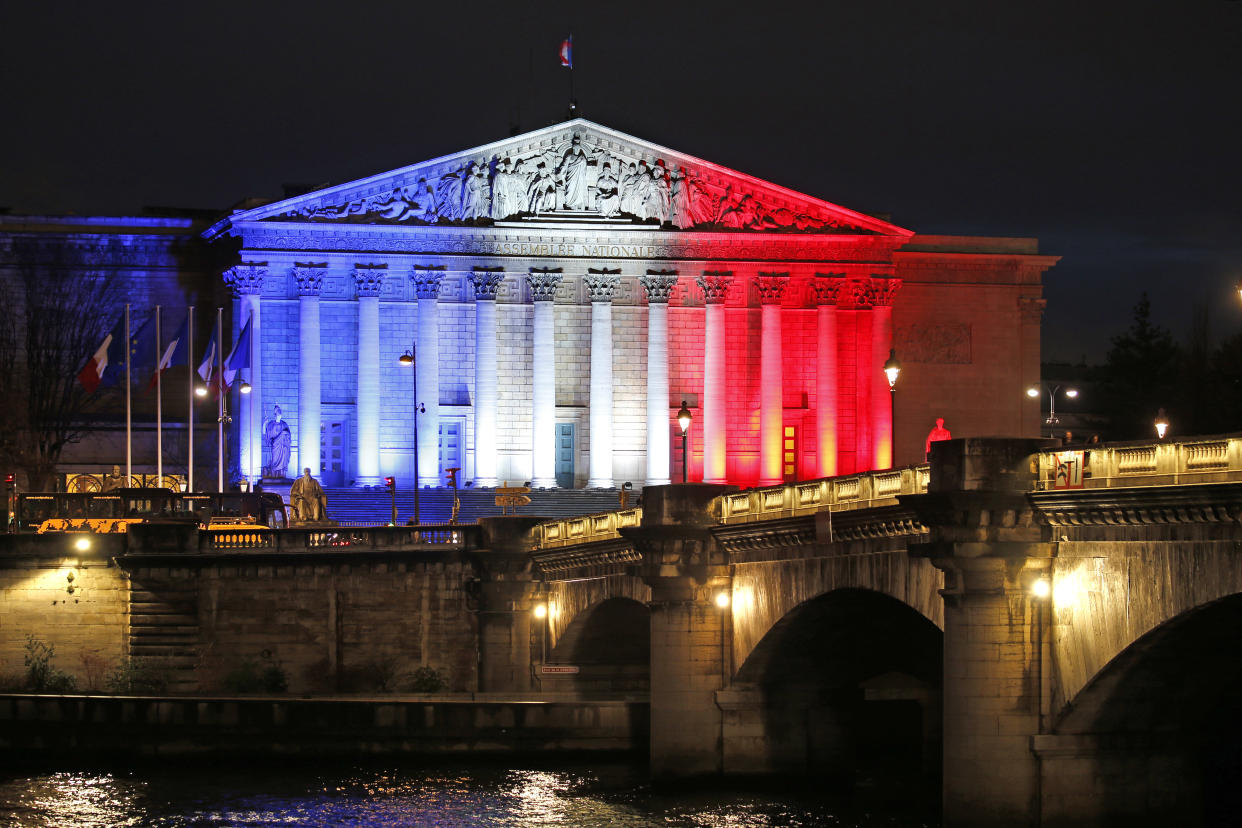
[{"x": 574, "y": 173}]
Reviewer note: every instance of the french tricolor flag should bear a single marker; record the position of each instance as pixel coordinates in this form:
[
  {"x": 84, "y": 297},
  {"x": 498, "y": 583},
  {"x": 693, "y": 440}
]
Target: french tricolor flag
[
  {"x": 567, "y": 52},
  {"x": 110, "y": 352}
]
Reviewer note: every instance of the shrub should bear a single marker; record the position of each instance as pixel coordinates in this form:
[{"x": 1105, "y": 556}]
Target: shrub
[
  {"x": 139, "y": 676},
  {"x": 94, "y": 669},
  {"x": 41, "y": 676},
  {"x": 250, "y": 676},
  {"x": 427, "y": 680}
]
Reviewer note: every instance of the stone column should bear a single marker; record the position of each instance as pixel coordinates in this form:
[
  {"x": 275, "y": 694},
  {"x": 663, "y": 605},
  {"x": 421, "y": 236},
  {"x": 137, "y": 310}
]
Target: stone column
[
  {"x": 984, "y": 535},
  {"x": 691, "y": 651},
  {"x": 246, "y": 280},
  {"x": 826, "y": 288},
  {"x": 715, "y": 285},
  {"x": 309, "y": 278},
  {"x": 543, "y": 285},
  {"x": 601, "y": 286},
  {"x": 883, "y": 291},
  {"x": 427, "y": 363},
  {"x": 659, "y": 286},
  {"x": 771, "y": 381},
  {"x": 858, "y": 298},
  {"x": 369, "y": 280},
  {"x": 486, "y": 283}
]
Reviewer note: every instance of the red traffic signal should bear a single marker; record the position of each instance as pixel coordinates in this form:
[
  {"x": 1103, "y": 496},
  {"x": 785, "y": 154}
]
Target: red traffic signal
[
  {"x": 391, "y": 483},
  {"x": 10, "y": 479}
]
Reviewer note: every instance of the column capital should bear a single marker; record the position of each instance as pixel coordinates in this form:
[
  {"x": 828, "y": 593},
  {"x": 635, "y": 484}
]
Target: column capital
[
  {"x": 884, "y": 290},
  {"x": 369, "y": 279},
  {"x": 659, "y": 285},
  {"x": 828, "y": 287},
  {"x": 771, "y": 287},
  {"x": 715, "y": 285},
  {"x": 427, "y": 279},
  {"x": 486, "y": 281},
  {"x": 602, "y": 284},
  {"x": 246, "y": 279},
  {"x": 309, "y": 276},
  {"x": 543, "y": 283}
]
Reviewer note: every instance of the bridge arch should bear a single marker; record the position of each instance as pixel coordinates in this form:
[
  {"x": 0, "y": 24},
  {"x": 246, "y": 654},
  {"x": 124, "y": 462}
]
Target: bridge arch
[
  {"x": 602, "y": 626},
  {"x": 847, "y": 682},
  {"x": 1154, "y": 735}
]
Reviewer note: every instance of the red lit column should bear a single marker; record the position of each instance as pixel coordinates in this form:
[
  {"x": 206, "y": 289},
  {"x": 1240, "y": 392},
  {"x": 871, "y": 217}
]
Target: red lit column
[
  {"x": 771, "y": 382},
  {"x": 826, "y": 289},
  {"x": 715, "y": 285},
  {"x": 882, "y": 293},
  {"x": 659, "y": 286}
]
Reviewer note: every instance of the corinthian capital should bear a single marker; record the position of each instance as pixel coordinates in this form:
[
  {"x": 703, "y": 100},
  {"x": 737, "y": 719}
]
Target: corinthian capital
[
  {"x": 369, "y": 279},
  {"x": 309, "y": 277},
  {"x": 884, "y": 289},
  {"x": 771, "y": 287},
  {"x": 715, "y": 285},
  {"x": 486, "y": 281},
  {"x": 659, "y": 285},
  {"x": 543, "y": 284},
  {"x": 828, "y": 287},
  {"x": 427, "y": 279},
  {"x": 246, "y": 278},
  {"x": 602, "y": 285}
]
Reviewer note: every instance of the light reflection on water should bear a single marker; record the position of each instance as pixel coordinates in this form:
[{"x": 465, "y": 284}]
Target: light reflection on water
[{"x": 587, "y": 796}]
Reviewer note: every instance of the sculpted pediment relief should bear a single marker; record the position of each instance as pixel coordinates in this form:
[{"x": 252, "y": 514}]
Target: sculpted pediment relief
[{"x": 576, "y": 173}]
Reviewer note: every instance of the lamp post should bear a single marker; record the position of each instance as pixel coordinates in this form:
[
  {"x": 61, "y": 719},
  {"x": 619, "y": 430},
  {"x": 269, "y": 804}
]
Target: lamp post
[
  {"x": 407, "y": 360},
  {"x": 1162, "y": 424},
  {"x": 892, "y": 370},
  {"x": 683, "y": 419},
  {"x": 1052, "y": 422}
]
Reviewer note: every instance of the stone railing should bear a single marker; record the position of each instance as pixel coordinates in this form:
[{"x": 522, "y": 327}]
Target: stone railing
[
  {"x": 855, "y": 491},
  {"x": 1203, "y": 460},
  {"x": 584, "y": 529},
  {"x": 148, "y": 539}
]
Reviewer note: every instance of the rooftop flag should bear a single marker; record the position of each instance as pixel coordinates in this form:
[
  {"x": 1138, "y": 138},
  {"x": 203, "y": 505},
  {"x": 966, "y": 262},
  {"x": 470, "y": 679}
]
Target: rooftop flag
[{"x": 567, "y": 52}]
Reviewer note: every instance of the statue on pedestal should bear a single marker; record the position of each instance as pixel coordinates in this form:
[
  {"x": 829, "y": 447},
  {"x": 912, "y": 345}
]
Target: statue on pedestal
[
  {"x": 309, "y": 502},
  {"x": 278, "y": 438}
]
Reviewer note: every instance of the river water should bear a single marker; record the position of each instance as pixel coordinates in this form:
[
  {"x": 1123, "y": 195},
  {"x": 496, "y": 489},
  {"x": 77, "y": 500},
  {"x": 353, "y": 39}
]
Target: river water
[{"x": 582, "y": 795}]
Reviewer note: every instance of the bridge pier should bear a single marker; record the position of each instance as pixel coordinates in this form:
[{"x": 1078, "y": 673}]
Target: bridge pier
[
  {"x": 691, "y": 649},
  {"x": 506, "y": 596},
  {"x": 984, "y": 536}
]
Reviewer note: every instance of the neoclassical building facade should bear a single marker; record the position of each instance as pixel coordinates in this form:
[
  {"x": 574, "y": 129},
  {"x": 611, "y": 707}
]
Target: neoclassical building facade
[{"x": 563, "y": 293}]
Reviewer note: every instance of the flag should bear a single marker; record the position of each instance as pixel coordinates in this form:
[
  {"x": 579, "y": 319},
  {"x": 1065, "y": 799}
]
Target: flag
[
  {"x": 108, "y": 353},
  {"x": 567, "y": 52},
  {"x": 207, "y": 368},
  {"x": 142, "y": 350},
  {"x": 177, "y": 351},
  {"x": 239, "y": 358}
]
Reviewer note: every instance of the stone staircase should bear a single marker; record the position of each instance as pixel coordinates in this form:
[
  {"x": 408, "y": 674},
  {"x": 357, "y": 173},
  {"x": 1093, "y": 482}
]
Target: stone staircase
[{"x": 372, "y": 506}]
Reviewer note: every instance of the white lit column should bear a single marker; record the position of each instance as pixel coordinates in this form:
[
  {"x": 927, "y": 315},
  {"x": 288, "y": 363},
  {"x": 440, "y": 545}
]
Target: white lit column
[
  {"x": 427, "y": 363},
  {"x": 369, "y": 280},
  {"x": 543, "y": 286},
  {"x": 310, "y": 282},
  {"x": 883, "y": 291},
  {"x": 659, "y": 287},
  {"x": 771, "y": 383},
  {"x": 826, "y": 290},
  {"x": 600, "y": 287},
  {"x": 247, "y": 283},
  {"x": 486, "y": 283},
  {"x": 715, "y": 285}
]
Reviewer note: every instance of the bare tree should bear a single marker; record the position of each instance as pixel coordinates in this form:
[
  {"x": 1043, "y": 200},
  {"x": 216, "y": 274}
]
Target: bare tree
[{"x": 56, "y": 305}]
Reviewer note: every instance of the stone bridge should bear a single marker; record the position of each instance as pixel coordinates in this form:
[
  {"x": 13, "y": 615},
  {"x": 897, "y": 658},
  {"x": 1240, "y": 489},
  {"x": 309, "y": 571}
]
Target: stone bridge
[{"x": 1057, "y": 655}]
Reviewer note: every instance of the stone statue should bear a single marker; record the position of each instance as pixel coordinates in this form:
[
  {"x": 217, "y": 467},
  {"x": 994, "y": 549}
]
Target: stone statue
[
  {"x": 503, "y": 204},
  {"x": 449, "y": 193},
  {"x": 656, "y": 200},
  {"x": 936, "y": 435},
  {"x": 114, "y": 479},
  {"x": 542, "y": 191},
  {"x": 628, "y": 190},
  {"x": 573, "y": 173},
  {"x": 681, "y": 210},
  {"x": 425, "y": 198},
  {"x": 608, "y": 202},
  {"x": 308, "y": 500},
  {"x": 478, "y": 196},
  {"x": 278, "y": 438}
]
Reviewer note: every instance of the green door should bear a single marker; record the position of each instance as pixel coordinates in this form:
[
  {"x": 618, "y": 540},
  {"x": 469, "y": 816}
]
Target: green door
[{"x": 565, "y": 455}]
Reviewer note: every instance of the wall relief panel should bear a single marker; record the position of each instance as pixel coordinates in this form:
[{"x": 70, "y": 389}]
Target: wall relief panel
[{"x": 936, "y": 344}]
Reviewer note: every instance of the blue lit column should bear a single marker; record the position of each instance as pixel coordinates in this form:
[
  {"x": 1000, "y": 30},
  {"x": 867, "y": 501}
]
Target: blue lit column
[
  {"x": 486, "y": 284},
  {"x": 369, "y": 281},
  {"x": 659, "y": 287},
  {"x": 246, "y": 280},
  {"x": 310, "y": 282},
  {"x": 427, "y": 288},
  {"x": 543, "y": 285},
  {"x": 600, "y": 287}
]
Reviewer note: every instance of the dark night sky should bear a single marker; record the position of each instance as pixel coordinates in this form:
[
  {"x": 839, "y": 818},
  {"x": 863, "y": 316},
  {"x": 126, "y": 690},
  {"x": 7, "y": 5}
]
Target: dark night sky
[{"x": 1110, "y": 130}]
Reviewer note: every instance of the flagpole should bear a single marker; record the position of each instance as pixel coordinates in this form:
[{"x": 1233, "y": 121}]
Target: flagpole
[
  {"x": 189, "y": 364},
  {"x": 129, "y": 433},
  {"x": 220, "y": 399},
  {"x": 159, "y": 404}
]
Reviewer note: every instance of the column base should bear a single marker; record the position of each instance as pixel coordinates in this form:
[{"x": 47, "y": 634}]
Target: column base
[
  {"x": 657, "y": 481},
  {"x": 486, "y": 482},
  {"x": 601, "y": 484},
  {"x": 544, "y": 483},
  {"x": 429, "y": 483},
  {"x": 368, "y": 480},
  {"x": 780, "y": 481}
]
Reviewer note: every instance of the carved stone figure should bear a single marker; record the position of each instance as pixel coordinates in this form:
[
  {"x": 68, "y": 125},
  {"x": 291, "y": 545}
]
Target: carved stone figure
[
  {"x": 308, "y": 500},
  {"x": 425, "y": 198},
  {"x": 449, "y": 192},
  {"x": 681, "y": 209},
  {"x": 519, "y": 188},
  {"x": 278, "y": 438},
  {"x": 398, "y": 206},
  {"x": 936, "y": 435},
  {"x": 542, "y": 191},
  {"x": 114, "y": 479},
  {"x": 503, "y": 204},
  {"x": 572, "y": 172},
  {"x": 607, "y": 201},
  {"x": 478, "y": 196},
  {"x": 656, "y": 201},
  {"x": 628, "y": 190}
]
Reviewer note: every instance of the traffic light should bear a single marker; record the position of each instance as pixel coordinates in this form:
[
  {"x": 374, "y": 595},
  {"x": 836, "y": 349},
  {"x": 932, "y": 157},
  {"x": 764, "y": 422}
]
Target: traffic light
[
  {"x": 391, "y": 483},
  {"x": 10, "y": 479}
]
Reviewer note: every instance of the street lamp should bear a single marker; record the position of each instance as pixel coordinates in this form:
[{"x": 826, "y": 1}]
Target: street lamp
[
  {"x": 1052, "y": 422},
  {"x": 683, "y": 419},
  {"x": 1162, "y": 424},
  {"x": 407, "y": 360},
  {"x": 892, "y": 370}
]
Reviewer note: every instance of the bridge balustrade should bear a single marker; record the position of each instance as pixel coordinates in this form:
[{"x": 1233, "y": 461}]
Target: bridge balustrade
[
  {"x": 585, "y": 528},
  {"x": 337, "y": 538},
  {"x": 855, "y": 491},
  {"x": 1206, "y": 460}
]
